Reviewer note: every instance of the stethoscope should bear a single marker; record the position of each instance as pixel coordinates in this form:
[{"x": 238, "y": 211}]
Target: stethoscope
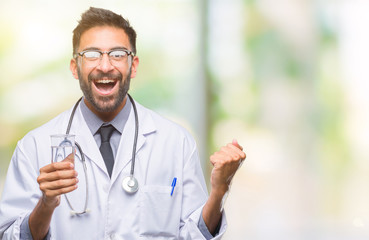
[{"x": 129, "y": 183}]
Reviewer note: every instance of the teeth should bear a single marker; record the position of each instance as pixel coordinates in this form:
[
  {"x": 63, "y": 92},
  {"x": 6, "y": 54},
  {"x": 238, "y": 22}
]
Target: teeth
[{"x": 105, "y": 81}]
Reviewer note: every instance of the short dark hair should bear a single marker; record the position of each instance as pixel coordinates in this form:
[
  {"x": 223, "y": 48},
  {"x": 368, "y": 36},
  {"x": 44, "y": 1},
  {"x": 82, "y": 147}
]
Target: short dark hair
[{"x": 95, "y": 17}]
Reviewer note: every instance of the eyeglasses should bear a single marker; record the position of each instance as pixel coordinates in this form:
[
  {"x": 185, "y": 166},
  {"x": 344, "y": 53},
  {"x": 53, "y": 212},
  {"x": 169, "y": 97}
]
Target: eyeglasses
[{"x": 93, "y": 57}]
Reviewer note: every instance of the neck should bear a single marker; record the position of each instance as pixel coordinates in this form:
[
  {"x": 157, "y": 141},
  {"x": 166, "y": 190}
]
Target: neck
[{"x": 106, "y": 116}]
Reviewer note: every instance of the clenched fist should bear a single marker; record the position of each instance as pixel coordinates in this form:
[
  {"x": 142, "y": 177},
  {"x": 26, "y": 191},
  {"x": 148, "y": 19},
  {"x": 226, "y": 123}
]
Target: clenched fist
[{"x": 226, "y": 162}]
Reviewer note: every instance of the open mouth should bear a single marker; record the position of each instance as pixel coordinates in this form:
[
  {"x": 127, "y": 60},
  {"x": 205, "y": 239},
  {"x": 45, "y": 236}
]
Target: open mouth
[{"x": 105, "y": 86}]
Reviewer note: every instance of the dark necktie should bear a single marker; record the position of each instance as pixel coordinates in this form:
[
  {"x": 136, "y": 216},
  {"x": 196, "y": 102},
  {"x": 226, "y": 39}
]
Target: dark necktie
[{"x": 105, "y": 148}]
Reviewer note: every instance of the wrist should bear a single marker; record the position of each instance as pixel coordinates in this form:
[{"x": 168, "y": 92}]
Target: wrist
[
  {"x": 39, "y": 219},
  {"x": 219, "y": 191},
  {"x": 49, "y": 204}
]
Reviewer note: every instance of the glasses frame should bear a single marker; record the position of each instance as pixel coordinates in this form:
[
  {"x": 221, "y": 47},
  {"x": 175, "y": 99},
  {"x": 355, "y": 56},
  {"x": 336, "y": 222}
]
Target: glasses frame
[{"x": 81, "y": 54}]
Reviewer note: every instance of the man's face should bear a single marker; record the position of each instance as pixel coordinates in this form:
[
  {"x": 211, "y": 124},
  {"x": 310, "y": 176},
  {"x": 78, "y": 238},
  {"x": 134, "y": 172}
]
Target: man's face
[{"x": 104, "y": 83}]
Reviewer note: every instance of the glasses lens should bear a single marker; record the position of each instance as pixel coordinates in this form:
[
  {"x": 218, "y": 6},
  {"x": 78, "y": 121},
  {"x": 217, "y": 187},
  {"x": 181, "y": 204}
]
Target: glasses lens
[
  {"x": 117, "y": 55},
  {"x": 92, "y": 55}
]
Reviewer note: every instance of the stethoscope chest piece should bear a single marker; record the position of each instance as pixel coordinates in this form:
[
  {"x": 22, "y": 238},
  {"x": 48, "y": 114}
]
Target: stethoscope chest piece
[{"x": 130, "y": 184}]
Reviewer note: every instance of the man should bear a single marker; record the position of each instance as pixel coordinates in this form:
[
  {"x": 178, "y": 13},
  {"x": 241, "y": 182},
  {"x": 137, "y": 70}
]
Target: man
[{"x": 171, "y": 202}]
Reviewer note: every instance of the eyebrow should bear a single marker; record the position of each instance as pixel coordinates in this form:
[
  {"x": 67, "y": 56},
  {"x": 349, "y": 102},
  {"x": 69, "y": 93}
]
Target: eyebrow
[{"x": 111, "y": 49}]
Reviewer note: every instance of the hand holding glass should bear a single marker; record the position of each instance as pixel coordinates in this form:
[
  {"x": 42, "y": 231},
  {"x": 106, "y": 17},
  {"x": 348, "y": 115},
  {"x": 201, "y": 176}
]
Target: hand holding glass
[{"x": 62, "y": 146}]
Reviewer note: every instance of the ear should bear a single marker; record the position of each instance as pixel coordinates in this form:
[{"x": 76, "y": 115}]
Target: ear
[
  {"x": 134, "y": 67},
  {"x": 73, "y": 68}
]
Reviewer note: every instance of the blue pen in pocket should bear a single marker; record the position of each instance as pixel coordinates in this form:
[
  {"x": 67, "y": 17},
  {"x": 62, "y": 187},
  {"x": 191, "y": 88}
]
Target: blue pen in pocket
[{"x": 173, "y": 185}]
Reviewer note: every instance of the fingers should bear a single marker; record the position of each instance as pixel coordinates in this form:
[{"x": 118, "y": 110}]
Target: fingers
[
  {"x": 53, "y": 188},
  {"x": 56, "y": 175},
  {"x": 64, "y": 165},
  {"x": 57, "y": 192},
  {"x": 235, "y": 152},
  {"x": 69, "y": 158},
  {"x": 58, "y": 178},
  {"x": 235, "y": 143},
  {"x": 230, "y": 152},
  {"x": 61, "y": 183}
]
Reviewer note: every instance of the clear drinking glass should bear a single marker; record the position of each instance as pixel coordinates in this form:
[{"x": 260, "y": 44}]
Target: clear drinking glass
[{"x": 61, "y": 146}]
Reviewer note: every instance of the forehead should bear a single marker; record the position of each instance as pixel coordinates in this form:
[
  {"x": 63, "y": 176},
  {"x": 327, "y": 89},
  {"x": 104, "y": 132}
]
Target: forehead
[{"x": 104, "y": 38}]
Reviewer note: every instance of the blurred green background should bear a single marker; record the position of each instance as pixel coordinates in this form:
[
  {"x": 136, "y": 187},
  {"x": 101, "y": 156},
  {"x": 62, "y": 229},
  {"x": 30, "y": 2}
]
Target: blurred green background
[{"x": 287, "y": 78}]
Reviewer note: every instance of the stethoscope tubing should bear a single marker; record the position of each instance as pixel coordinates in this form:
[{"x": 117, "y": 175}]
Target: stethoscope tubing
[
  {"x": 136, "y": 136},
  {"x": 85, "y": 210}
]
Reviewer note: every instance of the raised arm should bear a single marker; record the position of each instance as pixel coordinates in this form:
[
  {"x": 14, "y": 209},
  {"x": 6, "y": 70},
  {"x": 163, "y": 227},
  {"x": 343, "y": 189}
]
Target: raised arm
[{"x": 226, "y": 162}]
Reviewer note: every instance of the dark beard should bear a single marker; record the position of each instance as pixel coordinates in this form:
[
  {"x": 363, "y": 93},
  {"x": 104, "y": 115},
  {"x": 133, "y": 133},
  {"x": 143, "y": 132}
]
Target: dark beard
[{"x": 122, "y": 92}]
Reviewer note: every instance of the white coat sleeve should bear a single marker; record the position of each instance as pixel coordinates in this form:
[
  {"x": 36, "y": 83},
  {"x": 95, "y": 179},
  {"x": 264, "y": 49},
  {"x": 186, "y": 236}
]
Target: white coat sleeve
[
  {"x": 194, "y": 198},
  {"x": 20, "y": 195}
]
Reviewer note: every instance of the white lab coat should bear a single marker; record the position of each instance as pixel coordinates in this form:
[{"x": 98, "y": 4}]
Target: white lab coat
[{"x": 164, "y": 151}]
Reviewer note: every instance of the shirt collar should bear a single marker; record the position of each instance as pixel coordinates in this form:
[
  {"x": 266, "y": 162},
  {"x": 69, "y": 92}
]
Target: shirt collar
[{"x": 94, "y": 122}]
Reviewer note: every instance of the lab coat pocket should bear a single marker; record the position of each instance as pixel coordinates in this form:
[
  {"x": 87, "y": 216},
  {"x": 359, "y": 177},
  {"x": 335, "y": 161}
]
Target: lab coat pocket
[{"x": 159, "y": 212}]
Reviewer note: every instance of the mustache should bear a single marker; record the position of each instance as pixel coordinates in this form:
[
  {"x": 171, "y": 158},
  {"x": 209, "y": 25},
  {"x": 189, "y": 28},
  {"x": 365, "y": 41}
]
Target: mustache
[{"x": 114, "y": 76}]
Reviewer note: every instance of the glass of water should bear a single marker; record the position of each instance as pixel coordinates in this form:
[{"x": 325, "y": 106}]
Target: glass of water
[{"x": 62, "y": 145}]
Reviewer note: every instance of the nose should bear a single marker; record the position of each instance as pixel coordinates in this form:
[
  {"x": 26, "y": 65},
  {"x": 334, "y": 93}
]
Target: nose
[{"x": 105, "y": 65}]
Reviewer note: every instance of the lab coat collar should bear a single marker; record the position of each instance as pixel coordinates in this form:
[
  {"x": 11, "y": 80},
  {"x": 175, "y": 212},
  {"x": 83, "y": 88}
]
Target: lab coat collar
[{"x": 124, "y": 153}]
